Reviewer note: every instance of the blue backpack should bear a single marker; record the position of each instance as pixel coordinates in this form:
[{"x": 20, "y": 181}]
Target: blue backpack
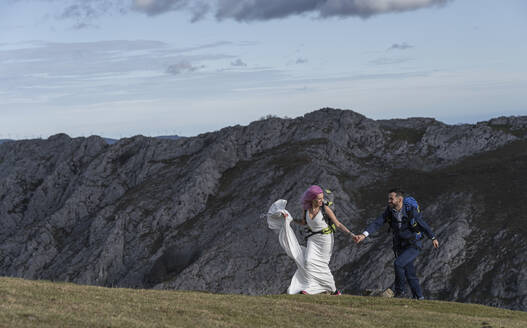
[{"x": 410, "y": 203}]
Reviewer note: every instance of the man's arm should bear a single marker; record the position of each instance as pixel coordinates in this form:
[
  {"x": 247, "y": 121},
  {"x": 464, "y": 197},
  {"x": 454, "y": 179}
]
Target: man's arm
[
  {"x": 371, "y": 228},
  {"x": 426, "y": 228}
]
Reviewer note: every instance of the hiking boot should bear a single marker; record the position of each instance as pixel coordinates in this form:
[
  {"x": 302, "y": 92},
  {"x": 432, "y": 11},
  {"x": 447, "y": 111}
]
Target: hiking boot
[
  {"x": 336, "y": 293},
  {"x": 388, "y": 293}
]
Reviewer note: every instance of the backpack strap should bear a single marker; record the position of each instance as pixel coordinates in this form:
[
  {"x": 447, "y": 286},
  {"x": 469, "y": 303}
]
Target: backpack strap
[
  {"x": 326, "y": 218},
  {"x": 331, "y": 228},
  {"x": 411, "y": 204},
  {"x": 325, "y": 231}
]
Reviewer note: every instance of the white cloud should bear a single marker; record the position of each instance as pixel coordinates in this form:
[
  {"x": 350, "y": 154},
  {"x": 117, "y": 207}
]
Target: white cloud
[{"x": 69, "y": 73}]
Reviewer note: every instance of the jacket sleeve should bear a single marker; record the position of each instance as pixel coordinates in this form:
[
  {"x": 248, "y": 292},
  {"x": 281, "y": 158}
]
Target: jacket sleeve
[
  {"x": 424, "y": 226},
  {"x": 409, "y": 234},
  {"x": 376, "y": 224}
]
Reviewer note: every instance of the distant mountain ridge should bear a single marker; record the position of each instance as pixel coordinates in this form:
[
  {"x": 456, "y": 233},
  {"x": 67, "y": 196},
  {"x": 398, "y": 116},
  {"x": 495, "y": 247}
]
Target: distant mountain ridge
[
  {"x": 185, "y": 213},
  {"x": 109, "y": 141}
]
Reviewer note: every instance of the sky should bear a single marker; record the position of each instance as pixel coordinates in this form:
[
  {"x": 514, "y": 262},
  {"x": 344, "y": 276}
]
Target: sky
[{"x": 118, "y": 68}]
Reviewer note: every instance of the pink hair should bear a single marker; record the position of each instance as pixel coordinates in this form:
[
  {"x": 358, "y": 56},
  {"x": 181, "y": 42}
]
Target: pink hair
[{"x": 309, "y": 195}]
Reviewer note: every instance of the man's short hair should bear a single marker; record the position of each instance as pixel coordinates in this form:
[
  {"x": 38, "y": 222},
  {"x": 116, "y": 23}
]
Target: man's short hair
[{"x": 398, "y": 192}]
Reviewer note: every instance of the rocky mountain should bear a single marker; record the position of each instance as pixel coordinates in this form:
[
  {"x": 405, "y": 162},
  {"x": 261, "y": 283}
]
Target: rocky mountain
[
  {"x": 186, "y": 213},
  {"x": 111, "y": 141}
]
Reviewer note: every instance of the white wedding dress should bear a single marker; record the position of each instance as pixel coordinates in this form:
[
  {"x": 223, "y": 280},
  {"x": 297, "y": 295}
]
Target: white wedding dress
[{"x": 312, "y": 275}]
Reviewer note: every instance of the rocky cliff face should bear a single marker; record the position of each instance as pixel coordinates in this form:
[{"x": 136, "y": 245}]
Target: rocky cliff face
[{"x": 186, "y": 213}]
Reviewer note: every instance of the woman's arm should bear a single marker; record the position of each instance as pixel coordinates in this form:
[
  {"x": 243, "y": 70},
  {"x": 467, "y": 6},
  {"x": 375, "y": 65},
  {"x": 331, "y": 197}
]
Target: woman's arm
[
  {"x": 297, "y": 221},
  {"x": 337, "y": 223},
  {"x": 300, "y": 221}
]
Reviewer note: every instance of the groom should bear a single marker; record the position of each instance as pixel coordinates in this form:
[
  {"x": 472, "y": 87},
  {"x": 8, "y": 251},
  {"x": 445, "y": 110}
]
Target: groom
[{"x": 406, "y": 224}]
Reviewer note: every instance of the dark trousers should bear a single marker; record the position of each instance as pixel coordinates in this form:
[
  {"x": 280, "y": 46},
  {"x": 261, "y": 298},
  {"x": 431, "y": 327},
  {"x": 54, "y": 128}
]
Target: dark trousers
[{"x": 405, "y": 271}]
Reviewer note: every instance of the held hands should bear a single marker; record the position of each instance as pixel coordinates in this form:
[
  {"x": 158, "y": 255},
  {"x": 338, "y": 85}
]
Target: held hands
[{"x": 358, "y": 238}]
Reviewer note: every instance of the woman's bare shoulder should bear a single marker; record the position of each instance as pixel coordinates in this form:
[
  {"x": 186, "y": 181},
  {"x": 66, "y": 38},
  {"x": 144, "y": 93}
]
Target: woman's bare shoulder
[{"x": 328, "y": 209}]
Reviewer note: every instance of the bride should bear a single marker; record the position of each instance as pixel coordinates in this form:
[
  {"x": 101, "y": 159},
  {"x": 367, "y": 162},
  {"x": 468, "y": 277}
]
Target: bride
[{"x": 313, "y": 275}]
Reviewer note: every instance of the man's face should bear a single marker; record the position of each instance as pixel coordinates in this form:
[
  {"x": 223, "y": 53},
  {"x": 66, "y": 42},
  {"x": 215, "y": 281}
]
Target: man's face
[{"x": 395, "y": 201}]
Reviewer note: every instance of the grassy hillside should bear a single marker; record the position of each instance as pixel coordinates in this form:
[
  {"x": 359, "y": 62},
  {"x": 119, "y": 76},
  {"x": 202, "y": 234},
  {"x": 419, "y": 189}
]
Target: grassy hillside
[{"x": 25, "y": 303}]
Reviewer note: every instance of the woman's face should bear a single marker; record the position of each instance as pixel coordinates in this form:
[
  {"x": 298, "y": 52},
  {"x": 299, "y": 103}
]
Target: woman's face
[{"x": 319, "y": 200}]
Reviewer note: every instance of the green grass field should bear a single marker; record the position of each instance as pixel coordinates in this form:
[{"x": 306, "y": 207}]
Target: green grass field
[{"x": 27, "y": 303}]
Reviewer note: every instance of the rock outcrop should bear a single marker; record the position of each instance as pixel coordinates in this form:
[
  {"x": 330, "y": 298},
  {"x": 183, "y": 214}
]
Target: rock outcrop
[{"x": 186, "y": 213}]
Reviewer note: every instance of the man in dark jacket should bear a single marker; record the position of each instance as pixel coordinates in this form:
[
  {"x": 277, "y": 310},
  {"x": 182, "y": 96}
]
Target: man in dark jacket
[{"x": 407, "y": 225}]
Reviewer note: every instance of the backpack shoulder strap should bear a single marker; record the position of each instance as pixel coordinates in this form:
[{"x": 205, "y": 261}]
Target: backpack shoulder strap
[
  {"x": 326, "y": 218},
  {"x": 324, "y": 214}
]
